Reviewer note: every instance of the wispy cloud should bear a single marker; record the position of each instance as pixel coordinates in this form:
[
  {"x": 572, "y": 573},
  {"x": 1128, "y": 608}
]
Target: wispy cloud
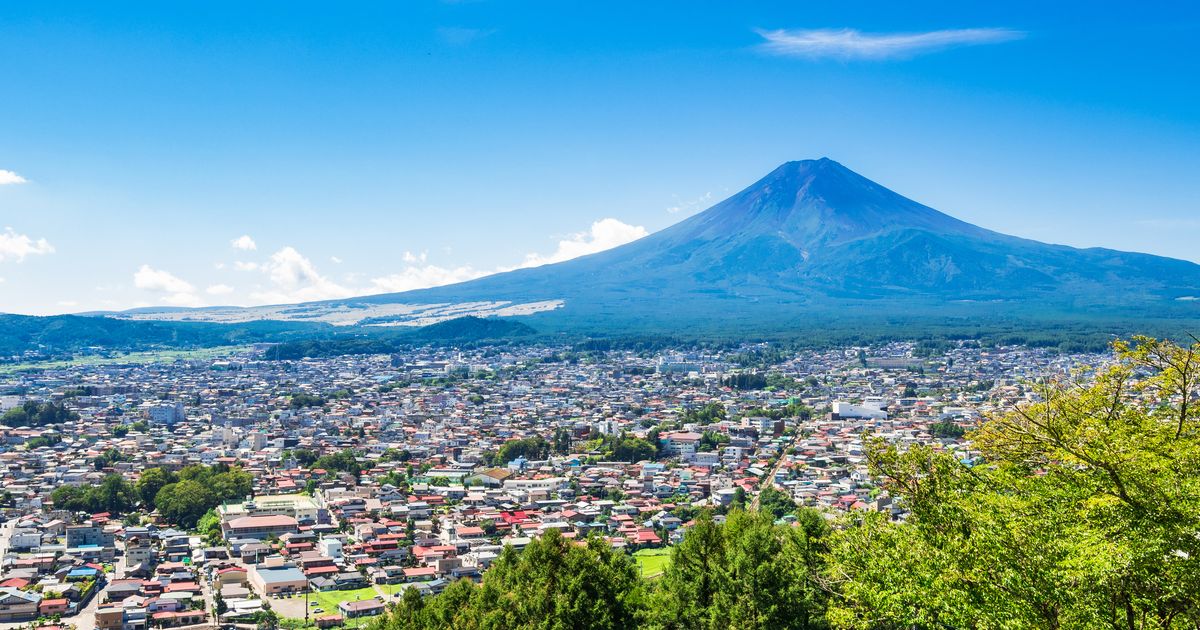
[
  {"x": 8, "y": 178},
  {"x": 849, "y": 43}
]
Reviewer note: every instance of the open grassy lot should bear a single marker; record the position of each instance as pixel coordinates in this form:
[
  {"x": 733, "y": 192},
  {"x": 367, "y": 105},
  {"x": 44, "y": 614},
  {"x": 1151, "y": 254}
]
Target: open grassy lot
[
  {"x": 391, "y": 589},
  {"x": 329, "y": 600},
  {"x": 128, "y": 358},
  {"x": 652, "y": 562}
]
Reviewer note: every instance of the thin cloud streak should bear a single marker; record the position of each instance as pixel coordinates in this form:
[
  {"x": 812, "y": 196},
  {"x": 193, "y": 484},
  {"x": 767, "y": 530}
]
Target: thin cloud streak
[{"x": 849, "y": 43}]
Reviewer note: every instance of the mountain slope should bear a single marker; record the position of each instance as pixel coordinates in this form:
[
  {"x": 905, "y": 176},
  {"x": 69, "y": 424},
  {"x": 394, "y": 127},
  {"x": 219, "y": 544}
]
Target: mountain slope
[
  {"x": 810, "y": 246},
  {"x": 814, "y": 237}
]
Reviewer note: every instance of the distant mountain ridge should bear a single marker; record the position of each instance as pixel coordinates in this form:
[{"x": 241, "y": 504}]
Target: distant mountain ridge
[
  {"x": 810, "y": 246},
  {"x": 813, "y": 237}
]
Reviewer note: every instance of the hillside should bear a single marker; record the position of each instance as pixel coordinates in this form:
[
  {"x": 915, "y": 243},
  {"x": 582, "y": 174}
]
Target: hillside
[
  {"x": 812, "y": 248},
  {"x": 813, "y": 239}
]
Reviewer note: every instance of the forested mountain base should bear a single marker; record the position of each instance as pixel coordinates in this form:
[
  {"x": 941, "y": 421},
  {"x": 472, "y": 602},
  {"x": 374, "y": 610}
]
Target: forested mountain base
[{"x": 1081, "y": 511}]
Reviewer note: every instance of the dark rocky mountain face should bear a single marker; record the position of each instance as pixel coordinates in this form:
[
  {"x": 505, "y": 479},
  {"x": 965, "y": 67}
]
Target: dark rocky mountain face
[{"x": 815, "y": 237}]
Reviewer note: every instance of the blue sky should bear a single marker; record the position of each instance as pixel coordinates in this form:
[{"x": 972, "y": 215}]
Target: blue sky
[{"x": 396, "y": 145}]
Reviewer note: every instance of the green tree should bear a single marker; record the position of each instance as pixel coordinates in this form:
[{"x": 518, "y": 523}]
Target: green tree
[
  {"x": 115, "y": 494},
  {"x": 745, "y": 573},
  {"x": 73, "y": 499},
  {"x": 534, "y": 448},
  {"x": 562, "y": 441},
  {"x": 342, "y": 461},
  {"x": 108, "y": 458},
  {"x": 209, "y": 527},
  {"x": 555, "y": 583},
  {"x": 745, "y": 380},
  {"x": 1082, "y": 512},
  {"x": 775, "y": 503},
  {"x": 35, "y": 414},
  {"x": 712, "y": 440},
  {"x": 632, "y": 449},
  {"x": 739, "y": 499},
  {"x": 303, "y": 400},
  {"x": 185, "y": 502},
  {"x": 49, "y": 439},
  {"x": 233, "y": 484},
  {"x": 712, "y": 412},
  {"x": 305, "y": 457},
  {"x": 552, "y": 583},
  {"x": 150, "y": 482},
  {"x": 946, "y": 429},
  {"x": 265, "y": 620},
  {"x": 395, "y": 455},
  {"x": 691, "y": 581}
]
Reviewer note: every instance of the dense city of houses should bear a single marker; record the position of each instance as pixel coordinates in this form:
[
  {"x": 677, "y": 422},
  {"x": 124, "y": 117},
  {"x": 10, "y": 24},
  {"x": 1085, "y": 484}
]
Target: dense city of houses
[{"x": 434, "y": 498}]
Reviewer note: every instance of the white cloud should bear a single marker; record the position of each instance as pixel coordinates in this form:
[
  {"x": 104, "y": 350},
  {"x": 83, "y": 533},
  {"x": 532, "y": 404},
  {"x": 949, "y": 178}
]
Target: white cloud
[
  {"x": 604, "y": 234},
  {"x": 16, "y": 247},
  {"x": 852, "y": 44},
  {"x": 295, "y": 278},
  {"x": 176, "y": 291},
  {"x": 423, "y": 277},
  {"x": 335, "y": 260},
  {"x": 160, "y": 280},
  {"x": 7, "y": 178},
  {"x": 244, "y": 243},
  {"x": 289, "y": 277}
]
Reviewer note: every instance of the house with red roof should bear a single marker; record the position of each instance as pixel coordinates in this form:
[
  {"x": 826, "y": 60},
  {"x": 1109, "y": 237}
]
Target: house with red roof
[{"x": 260, "y": 527}]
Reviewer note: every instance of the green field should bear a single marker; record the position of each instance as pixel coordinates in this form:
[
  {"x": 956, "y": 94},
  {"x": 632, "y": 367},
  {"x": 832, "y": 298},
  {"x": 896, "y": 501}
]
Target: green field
[
  {"x": 652, "y": 562},
  {"x": 132, "y": 358},
  {"x": 329, "y": 600},
  {"x": 391, "y": 589}
]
